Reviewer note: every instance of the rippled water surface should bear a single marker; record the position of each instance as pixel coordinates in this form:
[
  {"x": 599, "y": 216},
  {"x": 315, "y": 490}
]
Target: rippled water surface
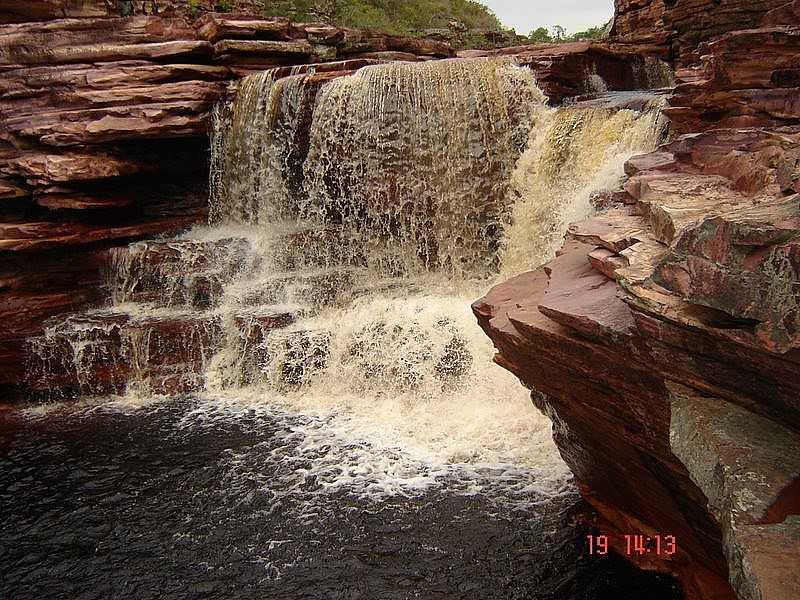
[{"x": 190, "y": 498}]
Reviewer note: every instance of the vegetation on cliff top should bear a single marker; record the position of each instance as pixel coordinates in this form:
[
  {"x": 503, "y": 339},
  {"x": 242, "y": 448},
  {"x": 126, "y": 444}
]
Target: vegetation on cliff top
[
  {"x": 394, "y": 16},
  {"x": 560, "y": 34},
  {"x": 464, "y": 23}
]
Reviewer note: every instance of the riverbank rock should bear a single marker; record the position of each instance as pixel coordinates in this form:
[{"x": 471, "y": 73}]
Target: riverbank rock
[
  {"x": 663, "y": 339},
  {"x": 695, "y": 285}
]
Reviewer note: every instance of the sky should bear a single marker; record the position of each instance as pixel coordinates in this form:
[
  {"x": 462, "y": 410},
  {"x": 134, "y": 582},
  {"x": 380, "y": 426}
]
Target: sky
[{"x": 575, "y": 15}]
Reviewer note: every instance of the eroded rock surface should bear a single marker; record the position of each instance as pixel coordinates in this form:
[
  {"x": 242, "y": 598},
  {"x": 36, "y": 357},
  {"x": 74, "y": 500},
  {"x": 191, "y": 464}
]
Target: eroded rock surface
[
  {"x": 104, "y": 120},
  {"x": 663, "y": 338},
  {"x": 679, "y": 26}
]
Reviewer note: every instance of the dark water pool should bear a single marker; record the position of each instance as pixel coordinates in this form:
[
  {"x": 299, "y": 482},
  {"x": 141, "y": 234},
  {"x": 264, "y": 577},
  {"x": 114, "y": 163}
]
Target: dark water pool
[{"x": 171, "y": 502}]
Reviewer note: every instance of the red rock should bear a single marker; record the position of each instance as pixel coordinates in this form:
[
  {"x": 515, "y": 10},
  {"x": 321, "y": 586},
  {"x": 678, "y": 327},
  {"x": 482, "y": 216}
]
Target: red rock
[
  {"x": 36, "y": 38},
  {"x": 64, "y": 198},
  {"x": 723, "y": 445},
  {"x": 640, "y": 22},
  {"x": 177, "y": 50},
  {"x": 606, "y": 262},
  {"x": 783, "y": 15},
  {"x": 42, "y": 235},
  {"x": 597, "y": 315},
  {"x": 228, "y": 49},
  {"x": 45, "y": 168},
  {"x": 11, "y": 190},
  {"x": 732, "y": 236},
  {"x": 420, "y": 47},
  {"x": 14, "y": 11},
  {"x": 256, "y": 324},
  {"x": 119, "y": 91},
  {"x": 322, "y": 34},
  {"x": 685, "y": 24},
  {"x": 215, "y": 27},
  {"x": 611, "y": 418},
  {"x": 747, "y": 265},
  {"x": 44, "y": 80},
  {"x": 748, "y": 78},
  {"x": 109, "y": 351},
  {"x": 695, "y": 287},
  {"x": 35, "y": 288},
  {"x": 614, "y": 229},
  {"x": 388, "y": 56}
]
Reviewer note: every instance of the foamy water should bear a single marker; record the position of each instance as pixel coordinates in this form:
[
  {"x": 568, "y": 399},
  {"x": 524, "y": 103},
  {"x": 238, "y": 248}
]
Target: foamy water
[{"x": 420, "y": 184}]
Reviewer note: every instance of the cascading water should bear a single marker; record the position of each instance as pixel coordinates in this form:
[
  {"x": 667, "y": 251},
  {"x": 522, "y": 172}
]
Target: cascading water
[
  {"x": 410, "y": 162},
  {"x": 575, "y": 152},
  {"x": 396, "y": 225},
  {"x": 321, "y": 324},
  {"x": 352, "y": 219}
]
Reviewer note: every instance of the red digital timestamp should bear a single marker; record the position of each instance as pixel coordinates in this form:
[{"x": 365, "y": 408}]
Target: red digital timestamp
[{"x": 641, "y": 545}]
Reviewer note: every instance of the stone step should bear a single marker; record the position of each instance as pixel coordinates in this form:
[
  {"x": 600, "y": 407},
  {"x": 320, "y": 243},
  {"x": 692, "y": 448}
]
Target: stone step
[
  {"x": 314, "y": 289},
  {"x": 185, "y": 272},
  {"x": 157, "y": 350},
  {"x": 615, "y": 229},
  {"x": 177, "y": 272},
  {"x": 107, "y": 351}
]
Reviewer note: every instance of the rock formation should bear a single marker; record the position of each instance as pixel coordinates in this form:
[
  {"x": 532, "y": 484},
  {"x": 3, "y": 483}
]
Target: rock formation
[
  {"x": 663, "y": 338},
  {"x": 104, "y": 135},
  {"x": 679, "y": 26},
  {"x": 104, "y": 128}
]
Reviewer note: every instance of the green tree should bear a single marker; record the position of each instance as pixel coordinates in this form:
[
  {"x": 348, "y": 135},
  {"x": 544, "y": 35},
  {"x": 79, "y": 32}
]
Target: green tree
[
  {"x": 540, "y": 36},
  {"x": 593, "y": 33}
]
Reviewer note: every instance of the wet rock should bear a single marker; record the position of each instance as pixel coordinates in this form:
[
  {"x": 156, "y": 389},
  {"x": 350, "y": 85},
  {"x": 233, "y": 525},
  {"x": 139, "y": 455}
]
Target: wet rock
[
  {"x": 104, "y": 113},
  {"x": 81, "y": 355},
  {"x": 112, "y": 351},
  {"x": 743, "y": 463},
  {"x": 177, "y": 272},
  {"x": 694, "y": 285}
]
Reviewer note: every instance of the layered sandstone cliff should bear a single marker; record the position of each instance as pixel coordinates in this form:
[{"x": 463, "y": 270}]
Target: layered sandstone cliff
[
  {"x": 679, "y": 26},
  {"x": 104, "y": 125},
  {"x": 104, "y": 135},
  {"x": 663, "y": 338}
]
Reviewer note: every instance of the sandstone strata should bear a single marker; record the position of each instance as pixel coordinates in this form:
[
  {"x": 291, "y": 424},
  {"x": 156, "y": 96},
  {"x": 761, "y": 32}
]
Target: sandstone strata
[
  {"x": 744, "y": 78},
  {"x": 104, "y": 125},
  {"x": 691, "y": 286},
  {"x": 104, "y": 119},
  {"x": 663, "y": 338},
  {"x": 679, "y": 26},
  {"x": 585, "y": 68}
]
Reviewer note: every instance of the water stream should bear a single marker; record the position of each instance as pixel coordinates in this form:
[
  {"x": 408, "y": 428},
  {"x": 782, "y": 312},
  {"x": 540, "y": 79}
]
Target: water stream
[{"x": 295, "y": 400}]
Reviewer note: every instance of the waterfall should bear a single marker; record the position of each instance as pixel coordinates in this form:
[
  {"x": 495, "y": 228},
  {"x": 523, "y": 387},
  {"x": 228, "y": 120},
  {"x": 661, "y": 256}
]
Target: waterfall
[
  {"x": 575, "y": 152},
  {"x": 353, "y": 218},
  {"x": 429, "y": 152},
  {"x": 411, "y": 162},
  {"x": 257, "y": 148}
]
